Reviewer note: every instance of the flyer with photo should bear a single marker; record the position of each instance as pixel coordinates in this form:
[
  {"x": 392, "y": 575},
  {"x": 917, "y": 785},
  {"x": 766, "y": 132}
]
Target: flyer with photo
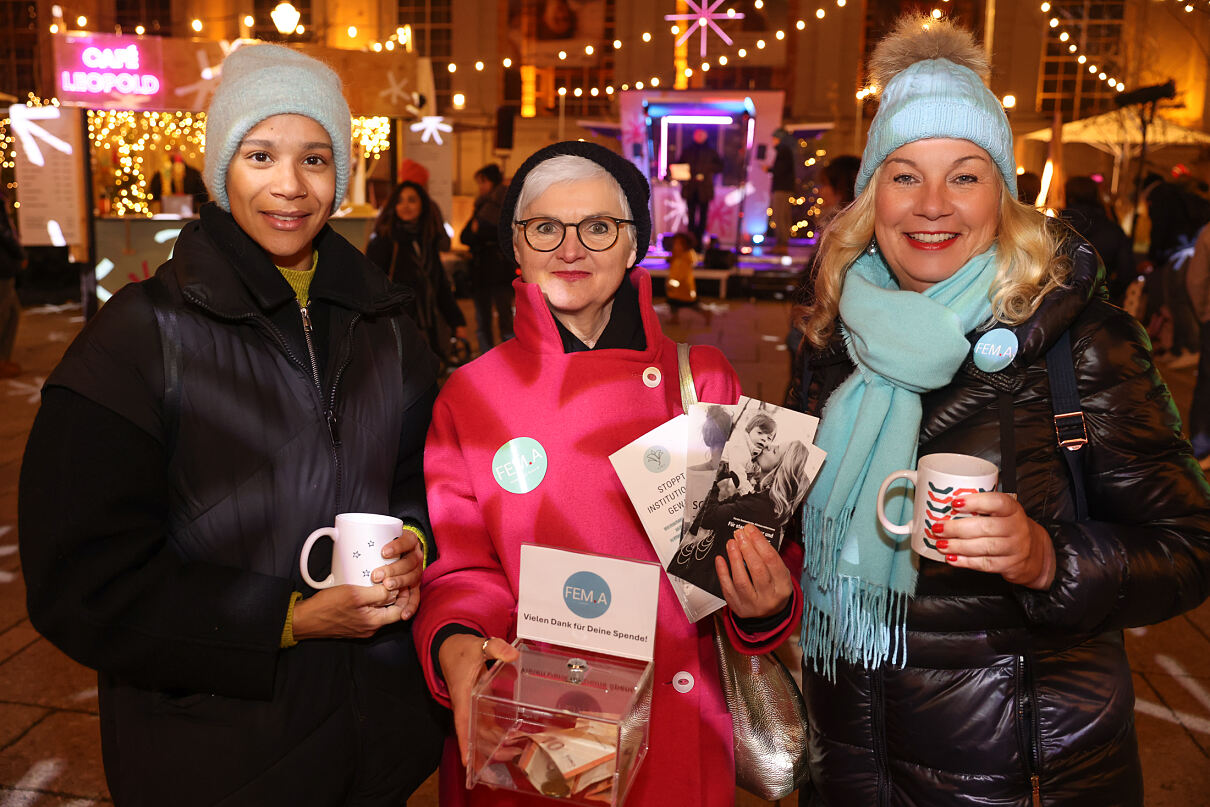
[
  {"x": 652, "y": 470},
  {"x": 748, "y": 463}
]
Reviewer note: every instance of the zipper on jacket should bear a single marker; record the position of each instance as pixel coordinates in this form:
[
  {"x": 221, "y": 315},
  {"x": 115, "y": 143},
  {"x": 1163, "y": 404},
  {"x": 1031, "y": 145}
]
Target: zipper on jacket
[
  {"x": 327, "y": 403},
  {"x": 878, "y": 733},
  {"x": 329, "y": 414},
  {"x": 1027, "y": 729},
  {"x": 331, "y": 410}
]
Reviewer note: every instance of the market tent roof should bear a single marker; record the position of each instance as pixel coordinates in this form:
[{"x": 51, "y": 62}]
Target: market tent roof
[{"x": 1112, "y": 131}]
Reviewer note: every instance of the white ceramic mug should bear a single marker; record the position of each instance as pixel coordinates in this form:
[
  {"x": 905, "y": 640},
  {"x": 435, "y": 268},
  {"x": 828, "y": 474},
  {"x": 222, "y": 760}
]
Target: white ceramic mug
[
  {"x": 938, "y": 479},
  {"x": 358, "y": 539}
]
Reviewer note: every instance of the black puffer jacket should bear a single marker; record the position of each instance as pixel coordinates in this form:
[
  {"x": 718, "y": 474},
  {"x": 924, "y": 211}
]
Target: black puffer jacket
[
  {"x": 1009, "y": 696},
  {"x": 160, "y": 541}
]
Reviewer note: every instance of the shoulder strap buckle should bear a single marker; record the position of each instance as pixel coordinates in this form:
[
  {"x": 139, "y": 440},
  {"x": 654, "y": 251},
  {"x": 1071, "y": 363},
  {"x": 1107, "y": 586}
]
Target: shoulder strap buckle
[{"x": 1071, "y": 431}]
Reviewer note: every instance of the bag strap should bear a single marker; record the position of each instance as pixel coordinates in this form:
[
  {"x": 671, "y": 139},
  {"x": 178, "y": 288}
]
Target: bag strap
[
  {"x": 1071, "y": 433},
  {"x": 170, "y": 347},
  {"x": 1070, "y": 429},
  {"x": 688, "y": 391}
]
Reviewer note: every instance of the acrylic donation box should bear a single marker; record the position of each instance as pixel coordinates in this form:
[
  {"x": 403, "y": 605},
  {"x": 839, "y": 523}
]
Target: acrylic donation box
[{"x": 568, "y": 719}]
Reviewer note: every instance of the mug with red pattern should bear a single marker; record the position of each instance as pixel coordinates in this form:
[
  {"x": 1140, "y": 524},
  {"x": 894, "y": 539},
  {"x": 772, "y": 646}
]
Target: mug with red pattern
[{"x": 938, "y": 479}]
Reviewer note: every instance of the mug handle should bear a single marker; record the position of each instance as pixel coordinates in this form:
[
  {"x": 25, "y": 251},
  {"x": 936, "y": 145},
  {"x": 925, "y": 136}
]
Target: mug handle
[
  {"x": 306, "y": 551},
  {"x": 897, "y": 529}
]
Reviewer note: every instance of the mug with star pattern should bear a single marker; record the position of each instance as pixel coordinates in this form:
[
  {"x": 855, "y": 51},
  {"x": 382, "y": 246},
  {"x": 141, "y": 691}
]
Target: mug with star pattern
[{"x": 357, "y": 542}]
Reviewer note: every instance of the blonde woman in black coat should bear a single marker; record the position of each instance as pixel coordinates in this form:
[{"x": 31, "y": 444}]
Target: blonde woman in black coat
[{"x": 998, "y": 676}]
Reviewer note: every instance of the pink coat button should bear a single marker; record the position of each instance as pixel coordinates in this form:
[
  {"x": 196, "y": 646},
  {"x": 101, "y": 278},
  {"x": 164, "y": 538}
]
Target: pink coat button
[
  {"x": 682, "y": 682},
  {"x": 652, "y": 377}
]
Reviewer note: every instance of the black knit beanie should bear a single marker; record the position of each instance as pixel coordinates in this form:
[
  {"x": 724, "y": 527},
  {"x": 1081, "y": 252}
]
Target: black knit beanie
[{"x": 632, "y": 181}]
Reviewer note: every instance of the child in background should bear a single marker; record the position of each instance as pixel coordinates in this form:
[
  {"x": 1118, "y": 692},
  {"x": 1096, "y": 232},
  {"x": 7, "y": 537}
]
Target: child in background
[{"x": 681, "y": 288}]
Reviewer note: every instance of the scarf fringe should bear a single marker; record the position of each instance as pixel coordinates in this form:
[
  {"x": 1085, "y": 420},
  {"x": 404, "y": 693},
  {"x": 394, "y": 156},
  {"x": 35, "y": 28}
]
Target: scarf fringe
[
  {"x": 823, "y": 539},
  {"x": 870, "y": 631}
]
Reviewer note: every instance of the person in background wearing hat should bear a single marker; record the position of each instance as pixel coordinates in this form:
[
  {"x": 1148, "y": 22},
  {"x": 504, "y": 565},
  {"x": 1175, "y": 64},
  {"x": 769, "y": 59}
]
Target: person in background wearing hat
[
  {"x": 783, "y": 185},
  {"x": 588, "y": 372},
  {"x": 996, "y": 676},
  {"x": 198, "y": 429},
  {"x": 492, "y": 272}
]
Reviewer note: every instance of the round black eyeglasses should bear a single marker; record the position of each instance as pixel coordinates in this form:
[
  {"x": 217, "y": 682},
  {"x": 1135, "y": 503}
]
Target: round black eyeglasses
[{"x": 596, "y": 233}]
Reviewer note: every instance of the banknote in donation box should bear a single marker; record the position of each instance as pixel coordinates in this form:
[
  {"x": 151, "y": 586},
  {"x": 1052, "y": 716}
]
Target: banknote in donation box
[{"x": 569, "y": 718}]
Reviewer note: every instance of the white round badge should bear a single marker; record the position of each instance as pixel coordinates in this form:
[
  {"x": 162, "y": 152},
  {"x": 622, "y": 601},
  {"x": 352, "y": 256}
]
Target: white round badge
[
  {"x": 652, "y": 376},
  {"x": 519, "y": 465},
  {"x": 995, "y": 350}
]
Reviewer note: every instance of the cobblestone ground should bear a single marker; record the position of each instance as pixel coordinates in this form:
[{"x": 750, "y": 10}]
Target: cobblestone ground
[{"x": 49, "y": 747}]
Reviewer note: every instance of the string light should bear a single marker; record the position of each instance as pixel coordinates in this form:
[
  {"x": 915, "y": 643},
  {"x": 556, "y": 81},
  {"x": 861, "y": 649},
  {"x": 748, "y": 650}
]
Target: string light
[
  {"x": 1072, "y": 48},
  {"x": 373, "y": 134},
  {"x": 647, "y": 37},
  {"x": 131, "y": 138},
  {"x": 722, "y": 60}
]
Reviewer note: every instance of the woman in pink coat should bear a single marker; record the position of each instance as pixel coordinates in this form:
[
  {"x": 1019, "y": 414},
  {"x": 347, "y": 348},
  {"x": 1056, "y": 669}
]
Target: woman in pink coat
[{"x": 588, "y": 372}]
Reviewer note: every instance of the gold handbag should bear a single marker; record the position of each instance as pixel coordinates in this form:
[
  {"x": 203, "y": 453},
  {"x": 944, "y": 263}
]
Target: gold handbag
[{"x": 768, "y": 717}]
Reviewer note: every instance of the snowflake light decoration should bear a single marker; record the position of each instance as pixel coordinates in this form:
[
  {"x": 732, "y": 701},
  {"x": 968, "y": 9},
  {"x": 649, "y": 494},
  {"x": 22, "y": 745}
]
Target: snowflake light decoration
[
  {"x": 676, "y": 212},
  {"x": 703, "y": 16},
  {"x": 431, "y": 127}
]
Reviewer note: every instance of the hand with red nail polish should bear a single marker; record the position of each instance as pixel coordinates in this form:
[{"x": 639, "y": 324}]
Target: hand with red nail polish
[{"x": 995, "y": 535}]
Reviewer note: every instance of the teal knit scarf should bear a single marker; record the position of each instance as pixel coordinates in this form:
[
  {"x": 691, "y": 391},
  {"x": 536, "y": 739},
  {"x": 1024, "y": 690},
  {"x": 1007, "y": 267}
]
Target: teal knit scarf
[{"x": 857, "y": 576}]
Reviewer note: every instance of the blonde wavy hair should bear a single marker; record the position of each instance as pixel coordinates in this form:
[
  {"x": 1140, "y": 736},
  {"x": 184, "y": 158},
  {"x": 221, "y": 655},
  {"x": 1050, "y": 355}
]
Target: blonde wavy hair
[
  {"x": 790, "y": 480},
  {"x": 1030, "y": 262}
]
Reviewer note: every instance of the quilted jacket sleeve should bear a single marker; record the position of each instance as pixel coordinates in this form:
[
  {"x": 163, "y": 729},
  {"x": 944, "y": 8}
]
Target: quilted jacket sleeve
[{"x": 1143, "y": 555}]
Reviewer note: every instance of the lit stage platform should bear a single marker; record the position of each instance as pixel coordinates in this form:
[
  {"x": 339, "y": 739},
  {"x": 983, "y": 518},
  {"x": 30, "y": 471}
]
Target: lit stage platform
[{"x": 758, "y": 271}]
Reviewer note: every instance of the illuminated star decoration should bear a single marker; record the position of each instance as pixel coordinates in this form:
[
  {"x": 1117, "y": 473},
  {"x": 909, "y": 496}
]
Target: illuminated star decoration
[
  {"x": 396, "y": 91},
  {"x": 676, "y": 212},
  {"x": 208, "y": 75},
  {"x": 703, "y": 15},
  {"x": 28, "y": 133},
  {"x": 431, "y": 127}
]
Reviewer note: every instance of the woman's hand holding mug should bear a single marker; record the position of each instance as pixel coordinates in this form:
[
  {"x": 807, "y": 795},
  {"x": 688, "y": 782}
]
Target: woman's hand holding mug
[
  {"x": 959, "y": 519},
  {"x": 360, "y": 595},
  {"x": 998, "y": 537}
]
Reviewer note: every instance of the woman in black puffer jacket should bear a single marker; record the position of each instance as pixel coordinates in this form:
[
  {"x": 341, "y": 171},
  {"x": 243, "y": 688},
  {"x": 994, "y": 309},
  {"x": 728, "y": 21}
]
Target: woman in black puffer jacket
[{"x": 999, "y": 676}]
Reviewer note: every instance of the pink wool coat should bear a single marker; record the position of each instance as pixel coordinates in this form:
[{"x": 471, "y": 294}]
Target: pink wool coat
[{"x": 580, "y": 407}]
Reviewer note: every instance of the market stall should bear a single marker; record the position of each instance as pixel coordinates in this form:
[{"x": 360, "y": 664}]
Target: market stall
[{"x": 112, "y": 167}]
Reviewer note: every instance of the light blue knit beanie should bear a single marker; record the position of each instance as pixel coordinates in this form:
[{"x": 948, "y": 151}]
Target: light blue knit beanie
[
  {"x": 260, "y": 81},
  {"x": 932, "y": 74}
]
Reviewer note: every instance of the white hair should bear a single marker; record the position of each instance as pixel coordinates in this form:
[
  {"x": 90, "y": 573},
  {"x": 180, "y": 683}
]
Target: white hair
[{"x": 566, "y": 168}]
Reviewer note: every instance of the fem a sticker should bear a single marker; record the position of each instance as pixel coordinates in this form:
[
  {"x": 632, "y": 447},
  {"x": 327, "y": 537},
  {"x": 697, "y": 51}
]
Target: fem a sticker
[
  {"x": 520, "y": 465},
  {"x": 995, "y": 350}
]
